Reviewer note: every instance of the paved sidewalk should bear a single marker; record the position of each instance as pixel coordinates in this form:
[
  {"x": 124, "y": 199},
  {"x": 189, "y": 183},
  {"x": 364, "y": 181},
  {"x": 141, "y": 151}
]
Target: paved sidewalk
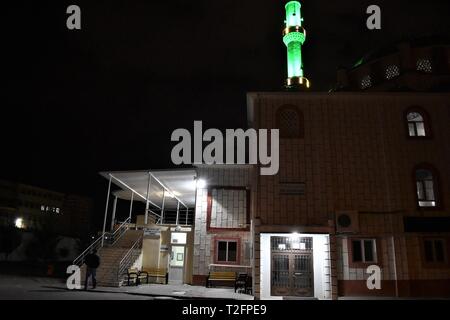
[{"x": 184, "y": 291}]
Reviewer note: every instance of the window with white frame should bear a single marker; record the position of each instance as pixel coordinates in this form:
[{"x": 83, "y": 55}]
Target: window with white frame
[
  {"x": 426, "y": 190},
  {"x": 364, "y": 250},
  {"x": 416, "y": 124},
  {"x": 226, "y": 251}
]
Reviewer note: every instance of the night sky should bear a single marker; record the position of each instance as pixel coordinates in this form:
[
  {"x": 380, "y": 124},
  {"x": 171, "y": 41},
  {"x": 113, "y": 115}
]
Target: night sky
[{"x": 108, "y": 97}]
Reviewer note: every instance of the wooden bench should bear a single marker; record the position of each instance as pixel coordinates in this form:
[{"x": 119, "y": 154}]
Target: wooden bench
[
  {"x": 156, "y": 273},
  {"x": 225, "y": 276},
  {"x": 135, "y": 276}
]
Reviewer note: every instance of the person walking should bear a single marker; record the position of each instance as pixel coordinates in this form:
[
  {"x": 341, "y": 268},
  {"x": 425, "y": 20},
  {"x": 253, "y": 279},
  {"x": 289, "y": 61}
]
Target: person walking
[{"x": 92, "y": 262}]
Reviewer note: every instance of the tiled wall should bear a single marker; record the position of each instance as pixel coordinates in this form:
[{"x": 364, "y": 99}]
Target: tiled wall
[
  {"x": 355, "y": 155},
  {"x": 401, "y": 260},
  {"x": 229, "y": 208},
  {"x": 230, "y": 176}
]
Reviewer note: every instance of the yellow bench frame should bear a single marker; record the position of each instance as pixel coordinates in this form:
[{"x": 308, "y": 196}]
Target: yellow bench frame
[
  {"x": 157, "y": 273},
  {"x": 220, "y": 276}
]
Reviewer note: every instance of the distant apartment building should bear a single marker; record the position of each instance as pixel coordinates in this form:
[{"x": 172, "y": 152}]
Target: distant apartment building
[{"x": 32, "y": 208}]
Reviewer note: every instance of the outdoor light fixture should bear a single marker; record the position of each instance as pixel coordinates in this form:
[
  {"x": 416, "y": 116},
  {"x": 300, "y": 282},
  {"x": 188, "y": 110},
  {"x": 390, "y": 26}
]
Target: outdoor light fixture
[
  {"x": 295, "y": 236},
  {"x": 19, "y": 223},
  {"x": 201, "y": 183}
]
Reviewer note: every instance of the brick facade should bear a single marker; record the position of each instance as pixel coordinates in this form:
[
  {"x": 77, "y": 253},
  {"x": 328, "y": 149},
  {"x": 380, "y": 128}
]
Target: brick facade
[{"x": 355, "y": 155}]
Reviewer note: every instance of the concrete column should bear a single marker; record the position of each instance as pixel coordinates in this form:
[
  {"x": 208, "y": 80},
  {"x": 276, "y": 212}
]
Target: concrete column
[{"x": 113, "y": 213}]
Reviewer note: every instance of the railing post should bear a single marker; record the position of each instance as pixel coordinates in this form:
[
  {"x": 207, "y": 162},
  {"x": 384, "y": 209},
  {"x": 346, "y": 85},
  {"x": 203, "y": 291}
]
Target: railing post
[
  {"x": 162, "y": 206},
  {"x": 187, "y": 214},
  {"x": 178, "y": 212},
  {"x": 131, "y": 205},
  {"x": 106, "y": 210},
  {"x": 147, "y": 202}
]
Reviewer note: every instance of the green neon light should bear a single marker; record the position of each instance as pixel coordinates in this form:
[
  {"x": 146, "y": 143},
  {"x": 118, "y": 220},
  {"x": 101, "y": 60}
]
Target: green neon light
[
  {"x": 293, "y": 17},
  {"x": 294, "y": 37}
]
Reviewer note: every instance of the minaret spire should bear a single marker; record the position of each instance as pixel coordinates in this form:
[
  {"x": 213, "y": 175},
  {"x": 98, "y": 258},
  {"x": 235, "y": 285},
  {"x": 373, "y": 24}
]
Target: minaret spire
[{"x": 293, "y": 37}]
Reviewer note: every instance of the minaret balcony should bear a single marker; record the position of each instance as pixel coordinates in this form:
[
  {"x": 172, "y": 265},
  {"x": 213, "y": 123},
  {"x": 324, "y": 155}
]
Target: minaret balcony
[{"x": 295, "y": 33}]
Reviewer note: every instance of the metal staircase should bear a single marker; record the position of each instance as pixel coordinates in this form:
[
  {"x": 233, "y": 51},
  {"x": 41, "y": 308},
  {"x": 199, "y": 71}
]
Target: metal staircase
[{"x": 118, "y": 251}]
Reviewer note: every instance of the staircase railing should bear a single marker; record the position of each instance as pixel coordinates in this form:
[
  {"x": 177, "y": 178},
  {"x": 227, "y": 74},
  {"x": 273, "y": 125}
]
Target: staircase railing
[
  {"x": 120, "y": 231},
  {"x": 130, "y": 257},
  {"x": 107, "y": 238},
  {"x": 96, "y": 245}
]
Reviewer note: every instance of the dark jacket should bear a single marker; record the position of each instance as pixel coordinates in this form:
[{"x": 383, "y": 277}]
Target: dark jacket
[{"x": 92, "y": 260}]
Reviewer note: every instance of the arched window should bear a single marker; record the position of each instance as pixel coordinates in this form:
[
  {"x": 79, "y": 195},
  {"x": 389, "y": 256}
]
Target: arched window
[
  {"x": 418, "y": 124},
  {"x": 426, "y": 186},
  {"x": 289, "y": 120}
]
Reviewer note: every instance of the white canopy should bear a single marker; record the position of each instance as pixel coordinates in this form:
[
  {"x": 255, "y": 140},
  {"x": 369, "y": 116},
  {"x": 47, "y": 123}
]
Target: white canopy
[{"x": 178, "y": 185}]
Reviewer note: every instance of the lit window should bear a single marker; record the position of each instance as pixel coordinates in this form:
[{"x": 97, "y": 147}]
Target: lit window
[
  {"x": 178, "y": 237},
  {"x": 425, "y": 185},
  {"x": 366, "y": 82},
  {"x": 416, "y": 124},
  {"x": 423, "y": 65},
  {"x": 364, "y": 250},
  {"x": 392, "y": 71},
  {"x": 434, "y": 250},
  {"x": 227, "y": 251}
]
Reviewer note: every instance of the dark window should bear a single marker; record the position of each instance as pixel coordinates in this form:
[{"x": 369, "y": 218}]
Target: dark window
[
  {"x": 368, "y": 250},
  {"x": 364, "y": 250},
  {"x": 434, "y": 250},
  {"x": 227, "y": 251},
  {"x": 425, "y": 188},
  {"x": 222, "y": 251},
  {"x": 232, "y": 251},
  {"x": 357, "y": 252},
  {"x": 428, "y": 249},
  {"x": 289, "y": 121}
]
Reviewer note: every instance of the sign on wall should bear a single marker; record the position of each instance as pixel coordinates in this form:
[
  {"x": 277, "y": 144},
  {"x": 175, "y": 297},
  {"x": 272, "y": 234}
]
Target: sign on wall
[
  {"x": 152, "y": 232},
  {"x": 292, "y": 188}
]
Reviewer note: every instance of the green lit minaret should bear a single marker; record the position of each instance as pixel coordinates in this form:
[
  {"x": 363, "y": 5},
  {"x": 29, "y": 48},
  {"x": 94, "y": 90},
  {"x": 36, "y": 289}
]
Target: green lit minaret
[{"x": 293, "y": 37}]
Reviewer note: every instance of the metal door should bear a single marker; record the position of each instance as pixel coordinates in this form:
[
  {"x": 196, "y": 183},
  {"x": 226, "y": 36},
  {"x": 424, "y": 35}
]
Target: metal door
[{"x": 292, "y": 272}]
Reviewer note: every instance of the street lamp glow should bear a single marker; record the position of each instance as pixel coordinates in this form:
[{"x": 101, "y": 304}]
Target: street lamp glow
[{"x": 19, "y": 223}]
